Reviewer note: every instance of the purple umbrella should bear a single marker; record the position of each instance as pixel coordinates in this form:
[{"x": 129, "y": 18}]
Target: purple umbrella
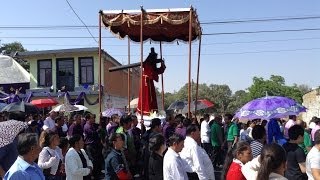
[
  {"x": 270, "y": 107},
  {"x": 111, "y": 111}
]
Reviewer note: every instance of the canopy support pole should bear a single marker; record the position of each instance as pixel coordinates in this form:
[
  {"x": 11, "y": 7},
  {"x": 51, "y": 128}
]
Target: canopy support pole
[
  {"x": 100, "y": 66},
  {"x": 141, "y": 63},
  {"x": 129, "y": 76},
  {"x": 162, "y": 90},
  {"x": 197, "y": 86},
  {"x": 189, "y": 74}
]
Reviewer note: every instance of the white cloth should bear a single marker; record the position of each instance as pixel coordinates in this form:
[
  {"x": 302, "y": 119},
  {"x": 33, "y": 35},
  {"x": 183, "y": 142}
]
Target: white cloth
[
  {"x": 197, "y": 159},
  {"x": 73, "y": 165},
  {"x": 312, "y": 161},
  {"x": 205, "y": 132},
  {"x": 250, "y": 169},
  {"x": 45, "y": 161},
  {"x": 64, "y": 127},
  {"x": 249, "y": 131},
  {"x": 173, "y": 166},
  {"x": 275, "y": 176},
  {"x": 288, "y": 125},
  {"x": 49, "y": 124}
]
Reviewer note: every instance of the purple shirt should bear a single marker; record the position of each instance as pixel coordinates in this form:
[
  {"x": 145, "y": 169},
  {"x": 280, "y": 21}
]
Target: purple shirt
[
  {"x": 168, "y": 131},
  {"x": 314, "y": 130},
  {"x": 181, "y": 131},
  {"x": 75, "y": 129},
  {"x": 91, "y": 135},
  {"x": 288, "y": 125}
]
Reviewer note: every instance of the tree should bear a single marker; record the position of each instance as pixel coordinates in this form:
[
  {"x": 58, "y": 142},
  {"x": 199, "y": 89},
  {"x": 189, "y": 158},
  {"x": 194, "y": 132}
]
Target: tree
[
  {"x": 275, "y": 86},
  {"x": 238, "y": 99},
  {"x": 11, "y": 48}
]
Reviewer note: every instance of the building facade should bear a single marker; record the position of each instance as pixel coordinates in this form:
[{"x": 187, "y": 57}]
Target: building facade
[
  {"x": 311, "y": 101},
  {"x": 77, "y": 70}
]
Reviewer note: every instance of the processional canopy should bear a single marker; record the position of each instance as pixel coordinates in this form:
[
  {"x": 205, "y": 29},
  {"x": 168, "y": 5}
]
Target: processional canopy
[{"x": 164, "y": 25}]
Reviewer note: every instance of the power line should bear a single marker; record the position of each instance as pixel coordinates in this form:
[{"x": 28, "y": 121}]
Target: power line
[
  {"x": 81, "y": 21},
  {"x": 261, "y": 20}
]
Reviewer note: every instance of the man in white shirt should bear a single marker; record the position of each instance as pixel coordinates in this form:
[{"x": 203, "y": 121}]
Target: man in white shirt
[
  {"x": 313, "y": 159},
  {"x": 49, "y": 123},
  {"x": 196, "y": 158},
  {"x": 173, "y": 166},
  {"x": 205, "y": 134}
]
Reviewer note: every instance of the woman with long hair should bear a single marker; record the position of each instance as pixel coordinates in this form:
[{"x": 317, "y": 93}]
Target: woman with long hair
[
  {"x": 157, "y": 147},
  {"x": 50, "y": 158},
  {"x": 273, "y": 163},
  {"x": 236, "y": 157}
]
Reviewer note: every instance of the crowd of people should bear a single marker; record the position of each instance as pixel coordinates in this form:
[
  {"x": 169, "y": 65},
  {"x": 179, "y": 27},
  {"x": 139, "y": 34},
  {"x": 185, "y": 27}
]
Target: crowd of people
[{"x": 58, "y": 147}]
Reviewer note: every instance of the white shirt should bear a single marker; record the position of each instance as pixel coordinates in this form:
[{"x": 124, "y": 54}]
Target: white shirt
[
  {"x": 275, "y": 176},
  {"x": 250, "y": 169},
  {"x": 197, "y": 159},
  {"x": 249, "y": 131},
  {"x": 44, "y": 159},
  {"x": 205, "y": 132},
  {"x": 73, "y": 165},
  {"x": 173, "y": 166},
  {"x": 312, "y": 161},
  {"x": 49, "y": 124}
]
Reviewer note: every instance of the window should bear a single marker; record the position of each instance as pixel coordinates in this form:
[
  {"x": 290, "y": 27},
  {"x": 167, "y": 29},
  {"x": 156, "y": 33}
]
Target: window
[
  {"x": 44, "y": 73},
  {"x": 86, "y": 70}
]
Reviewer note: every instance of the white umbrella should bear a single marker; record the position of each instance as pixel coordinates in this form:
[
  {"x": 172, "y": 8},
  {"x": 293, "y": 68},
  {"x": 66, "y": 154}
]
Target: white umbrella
[
  {"x": 81, "y": 107},
  {"x": 134, "y": 103},
  {"x": 65, "y": 108}
]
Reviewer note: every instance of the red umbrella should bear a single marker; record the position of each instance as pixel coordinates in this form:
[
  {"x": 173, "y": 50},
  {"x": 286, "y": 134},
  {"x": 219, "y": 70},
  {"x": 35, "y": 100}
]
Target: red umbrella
[
  {"x": 205, "y": 102},
  {"x": 42, "y": 103}
]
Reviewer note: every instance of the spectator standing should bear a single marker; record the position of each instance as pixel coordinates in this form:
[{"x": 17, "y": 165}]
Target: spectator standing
[
  {"x": 316, "y": 128},
  {"x": 77, "y": 165},
  {"x": 306, "y": 145},
  {"x": 115, "y": 163},
  {"x": 173, "y": 166},
  {"x": 157, "y": 147},
  {"x": 75, "y": 127},
  {"x": 24, "y": 168},
  {"x": 93, "y": 145},
  {"x": 50, "y": 158},
  {"x": 259, "y": 136},
  {"x": 236, "y": 157},
  {"x": 313, "y": 159},
  {"x": 49, "y": 123},
  {"x": 233, "y": 132},
  {"x": 216, "y": 141},
  {"x": 199, "y": 165},
  {"x": 289, "y": 124},
  {"x": 205, "y": 134},
  {"x": 296, "y": 167},
  {"x": 273, "y": 163}
]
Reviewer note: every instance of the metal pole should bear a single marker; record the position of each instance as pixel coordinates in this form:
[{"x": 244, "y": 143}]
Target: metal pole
[
  {"x": 141, "y": 61},
  {"x": 189, "y": 75},
  {"x": 197, "y": 86},
  {"x": 129, "y": 78},
  {"x": 162, "y": 91},
  {"x": 100, "y": 65}
]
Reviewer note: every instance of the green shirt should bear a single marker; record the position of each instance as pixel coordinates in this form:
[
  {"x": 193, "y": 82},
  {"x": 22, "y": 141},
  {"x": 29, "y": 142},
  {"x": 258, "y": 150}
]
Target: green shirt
[
  {"x": 232, "y": 132},
  {"x": 216, "y": 131},
  {"x": 306, "y": 142}
]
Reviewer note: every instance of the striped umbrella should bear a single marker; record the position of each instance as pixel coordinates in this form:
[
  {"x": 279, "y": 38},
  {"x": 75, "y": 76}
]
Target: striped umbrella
[{"x": 111, "y": 111}]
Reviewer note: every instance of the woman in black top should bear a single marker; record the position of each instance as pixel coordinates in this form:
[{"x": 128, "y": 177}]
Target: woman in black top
[{"x": 157, "y": 147}]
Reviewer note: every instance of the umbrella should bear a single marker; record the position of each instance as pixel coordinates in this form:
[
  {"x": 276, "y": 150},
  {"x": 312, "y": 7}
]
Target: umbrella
[
  {"x": 201, "y": 104},
  {"x": 43, "y": 103},
  {"x": 9, "y": 130},
  {"x": 134, "y": 103},
  {"x": 21, "y": 107},
  {"x": 81, "y": 107},
  {"x": 2, "y": 105},
  {"x": 65, "y": 108},
  {"x": 111, "y": 111},
  {"x": 177, "y": 105},
  {"x": 270, "y": 107}
]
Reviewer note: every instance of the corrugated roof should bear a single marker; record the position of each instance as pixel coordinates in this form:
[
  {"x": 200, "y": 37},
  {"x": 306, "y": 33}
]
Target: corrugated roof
[{"x": 12, "y": 72}]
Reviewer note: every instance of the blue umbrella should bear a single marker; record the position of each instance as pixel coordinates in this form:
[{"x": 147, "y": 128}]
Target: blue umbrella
[
  {"x": 177, "y": 105},
  {"x": 270, "y": 107},
  {"x": 2, "y": 105}
]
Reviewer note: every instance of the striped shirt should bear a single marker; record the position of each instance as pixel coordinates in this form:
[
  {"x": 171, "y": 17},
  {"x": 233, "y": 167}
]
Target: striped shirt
[{"x": 256, "y": 148}]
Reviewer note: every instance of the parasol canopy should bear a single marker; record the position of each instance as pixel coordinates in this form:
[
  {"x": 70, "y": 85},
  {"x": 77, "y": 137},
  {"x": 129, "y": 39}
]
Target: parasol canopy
[
  {"x": 21, "y": 106},
  {"x": 111, "y": 111},
  {"x": 164, "y": 25},
  {"x": 9, "y": 130},
  {"x": 270, "y": 107},
  {"x": 43, "y": 103}
]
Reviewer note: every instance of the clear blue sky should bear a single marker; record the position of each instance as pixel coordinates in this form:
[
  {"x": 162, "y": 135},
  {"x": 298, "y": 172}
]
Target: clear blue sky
[{"x": 226, "y": 59}]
